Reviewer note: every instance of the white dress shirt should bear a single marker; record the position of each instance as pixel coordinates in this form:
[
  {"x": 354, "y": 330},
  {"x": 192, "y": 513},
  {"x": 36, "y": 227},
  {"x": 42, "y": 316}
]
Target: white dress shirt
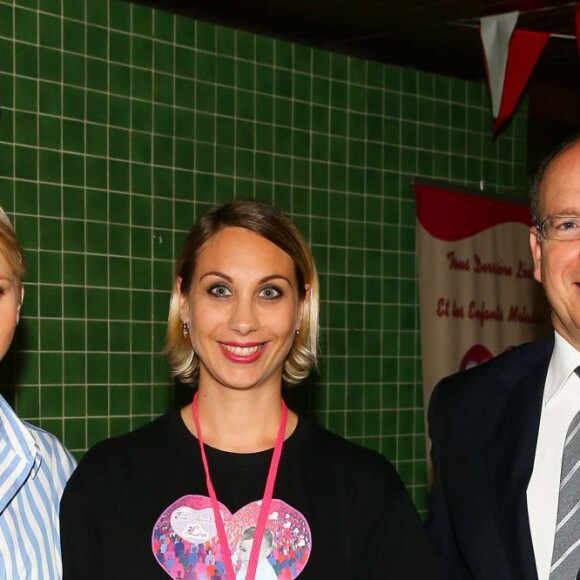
[{"x": 561, "y": 402}]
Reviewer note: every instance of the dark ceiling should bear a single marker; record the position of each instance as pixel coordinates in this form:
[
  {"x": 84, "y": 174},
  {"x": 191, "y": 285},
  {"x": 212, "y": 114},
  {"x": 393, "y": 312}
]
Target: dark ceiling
[{"x": 439, "y": 36}]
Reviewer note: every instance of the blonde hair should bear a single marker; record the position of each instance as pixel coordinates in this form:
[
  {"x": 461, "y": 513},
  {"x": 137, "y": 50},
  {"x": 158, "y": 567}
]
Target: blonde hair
[
  {"x": 270, "y": 223},
  {"x": 11, "y": 250}
]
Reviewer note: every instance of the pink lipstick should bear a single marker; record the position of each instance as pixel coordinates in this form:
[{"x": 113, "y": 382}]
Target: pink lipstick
[{"x": 243, "y": 353}]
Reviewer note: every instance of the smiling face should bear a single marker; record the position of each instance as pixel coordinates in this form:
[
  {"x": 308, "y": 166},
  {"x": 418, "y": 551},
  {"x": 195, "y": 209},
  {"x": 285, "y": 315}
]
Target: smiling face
[
  {"x": 557, "y": 263},
  {"x": 243, "y": 309},
  {"x": 245, "y": 550},
  {"x": 10, "y": 300}
]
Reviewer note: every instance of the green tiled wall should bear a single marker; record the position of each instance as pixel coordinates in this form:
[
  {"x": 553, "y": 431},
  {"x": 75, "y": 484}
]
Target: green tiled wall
[{"x": 120, "y": 124}]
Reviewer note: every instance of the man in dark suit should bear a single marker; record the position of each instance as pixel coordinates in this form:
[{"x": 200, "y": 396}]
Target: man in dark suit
[{"x": 502, "y": 431}]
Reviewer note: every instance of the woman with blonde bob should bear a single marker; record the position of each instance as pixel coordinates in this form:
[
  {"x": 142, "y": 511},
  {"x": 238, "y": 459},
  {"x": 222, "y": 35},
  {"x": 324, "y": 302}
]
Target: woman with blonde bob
[
  {"x": 180, "y": 492},
  {"x": 34, "y": 466},
  {"x": 272, "y": 225}
]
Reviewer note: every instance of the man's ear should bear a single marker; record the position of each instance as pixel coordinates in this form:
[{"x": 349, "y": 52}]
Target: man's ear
[{"x": 536, "y": 247}]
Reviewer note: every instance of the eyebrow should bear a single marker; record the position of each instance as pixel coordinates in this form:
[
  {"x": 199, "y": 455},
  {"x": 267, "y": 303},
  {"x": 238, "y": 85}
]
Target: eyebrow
[
  {"x": 231, "y": 280},
  {"x": 567, "y": 212}
]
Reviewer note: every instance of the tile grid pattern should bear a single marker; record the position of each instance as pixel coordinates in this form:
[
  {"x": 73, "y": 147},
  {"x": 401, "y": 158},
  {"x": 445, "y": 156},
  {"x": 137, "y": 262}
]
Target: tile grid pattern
[{"x": 120, "y": 124}]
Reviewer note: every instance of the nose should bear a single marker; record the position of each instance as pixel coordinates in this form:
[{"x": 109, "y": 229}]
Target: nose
[{"x": 243, "y": 316}]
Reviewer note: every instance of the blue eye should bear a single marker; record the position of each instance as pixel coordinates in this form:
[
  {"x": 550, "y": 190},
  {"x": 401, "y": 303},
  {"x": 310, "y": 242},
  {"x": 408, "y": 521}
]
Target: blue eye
[
  {"x": 568, "y": 224},
  {"x": 220, "y": 291},
  {"x": 270, "y": 293}
]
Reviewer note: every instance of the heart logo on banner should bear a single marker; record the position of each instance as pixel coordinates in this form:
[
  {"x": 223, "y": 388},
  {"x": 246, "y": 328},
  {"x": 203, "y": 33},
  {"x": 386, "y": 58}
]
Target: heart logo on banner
[{"x": 186, "y": 545}]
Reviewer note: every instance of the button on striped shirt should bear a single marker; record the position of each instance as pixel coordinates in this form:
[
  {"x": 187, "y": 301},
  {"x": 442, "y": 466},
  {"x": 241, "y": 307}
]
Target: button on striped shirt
[{"x": 34, "y": 468}]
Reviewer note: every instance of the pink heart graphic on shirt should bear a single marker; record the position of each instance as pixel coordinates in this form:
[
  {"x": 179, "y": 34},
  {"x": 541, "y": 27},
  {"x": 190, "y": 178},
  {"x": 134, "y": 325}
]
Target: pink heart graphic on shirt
[{"x": 186, "y": 545}]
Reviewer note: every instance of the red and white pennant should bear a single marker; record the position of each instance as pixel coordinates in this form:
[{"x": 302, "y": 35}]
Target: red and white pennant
[{"x": 511, "y": 55}]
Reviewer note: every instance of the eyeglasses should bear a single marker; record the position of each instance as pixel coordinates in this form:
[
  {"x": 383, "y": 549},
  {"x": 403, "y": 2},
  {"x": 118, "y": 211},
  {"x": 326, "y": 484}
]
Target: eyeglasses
[{"x": 562, "y": 228}]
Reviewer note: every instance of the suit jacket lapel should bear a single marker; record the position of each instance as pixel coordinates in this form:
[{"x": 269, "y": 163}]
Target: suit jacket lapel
[{"x": 511, "y": 460}]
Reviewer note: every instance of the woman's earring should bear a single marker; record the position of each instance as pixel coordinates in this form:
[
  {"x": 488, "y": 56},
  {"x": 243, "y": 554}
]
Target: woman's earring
[
  {"x": 185, "y": 329},
  {"x": 297, "y": 331}
]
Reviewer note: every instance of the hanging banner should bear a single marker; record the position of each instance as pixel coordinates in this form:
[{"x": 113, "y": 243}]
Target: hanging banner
[{"x": 477, "y": 293}]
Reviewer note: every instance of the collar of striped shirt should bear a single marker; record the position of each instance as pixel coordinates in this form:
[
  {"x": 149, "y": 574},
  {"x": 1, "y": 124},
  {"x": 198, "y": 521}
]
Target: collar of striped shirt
[{"x": 19, "y": 454}]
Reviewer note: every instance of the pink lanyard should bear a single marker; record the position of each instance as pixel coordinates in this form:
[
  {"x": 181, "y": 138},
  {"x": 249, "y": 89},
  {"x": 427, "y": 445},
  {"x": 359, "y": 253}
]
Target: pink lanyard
[{"x": 266, "y": 500}]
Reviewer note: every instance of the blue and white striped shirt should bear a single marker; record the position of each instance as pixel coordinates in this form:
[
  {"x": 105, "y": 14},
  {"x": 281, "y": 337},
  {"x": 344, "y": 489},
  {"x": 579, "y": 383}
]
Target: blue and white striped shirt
[{"x": 34, "y": 468}]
